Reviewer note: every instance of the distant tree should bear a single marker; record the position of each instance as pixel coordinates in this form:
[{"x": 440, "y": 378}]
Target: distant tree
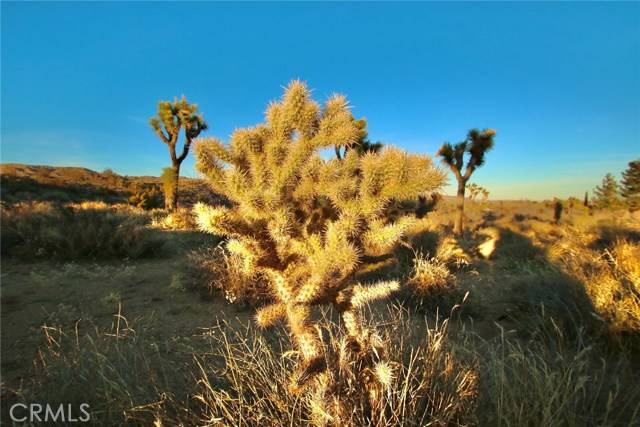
[
  {"x": 475, "y": 145},
  {"x": 476, "y": 190},
  {"x": 586, "y": 198},
  {"x": 369, "y": 147},
  {"x": 631, "y": 185},
  {"x": 606, "y": 194},
  {"x": 171, "y": 119},
  {"x": 557, "y": 211}
]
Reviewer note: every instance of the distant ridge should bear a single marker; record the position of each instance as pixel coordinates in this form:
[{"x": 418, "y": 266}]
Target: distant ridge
[
  {"x": 73, "y": 174},
  {"x": 21, "y": 182}
]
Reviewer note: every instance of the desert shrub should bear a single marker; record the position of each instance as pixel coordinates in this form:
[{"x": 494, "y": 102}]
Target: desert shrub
[
  {"x": 277, "y": 181},
  {"x": 147, "y": 198},
  {"x": 178, "y": 219},
  {"x": 429, "y": 276},
  {"x": 519, "y": 217},
  {"x": 608, "y": 274},
  {"x": 609, "y": 232},
  {"x": 552, "y": 380},
  {"x": 67, "y": 232}
]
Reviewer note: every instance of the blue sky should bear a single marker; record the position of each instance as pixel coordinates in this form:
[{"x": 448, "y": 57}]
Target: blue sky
[{"x": 559, "y": 81}]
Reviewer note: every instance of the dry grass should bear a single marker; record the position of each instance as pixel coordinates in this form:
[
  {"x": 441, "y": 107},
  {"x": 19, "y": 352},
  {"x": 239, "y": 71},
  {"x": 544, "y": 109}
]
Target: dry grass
[
  {"x": 439, "y": 374},
  {"x": 610, "y": 275},
  {"x": 87, "y": 230},
  {"x": 429, "y": 384},
  {"x": 180, "y": 219},
  {"x": 223, "y": 273},
  {"x": 553, "y": 380},
  {"x": 530, "y": 346}
]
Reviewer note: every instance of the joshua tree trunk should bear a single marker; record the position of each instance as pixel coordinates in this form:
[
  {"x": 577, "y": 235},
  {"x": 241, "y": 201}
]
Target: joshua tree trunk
[
  {"x": 171, "y": 198},
  {"x": 457, "y": 227}
]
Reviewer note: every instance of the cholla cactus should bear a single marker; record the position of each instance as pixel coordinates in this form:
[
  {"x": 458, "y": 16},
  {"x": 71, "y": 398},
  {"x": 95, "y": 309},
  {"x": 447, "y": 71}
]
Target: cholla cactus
[{"x": 304, "y": 224}]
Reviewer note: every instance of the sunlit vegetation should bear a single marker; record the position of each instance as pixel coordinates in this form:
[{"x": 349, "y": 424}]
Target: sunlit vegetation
[{"x": 292, "y": 287}]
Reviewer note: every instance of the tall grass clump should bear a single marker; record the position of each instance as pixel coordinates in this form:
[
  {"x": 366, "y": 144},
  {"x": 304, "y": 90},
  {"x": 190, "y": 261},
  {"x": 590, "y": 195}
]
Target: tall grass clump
[
  {"x": 124, "y": 377},
  {"x": 428, "y": 383},
  {"x": 554, "y": 380},
  {"x": 80, "y": 231},
  {"x": 222, "y": 272},
  {"x": 302, "y": 225},
  {"x": 608, "y": 269},
  {"x": 232, "y": 374}
]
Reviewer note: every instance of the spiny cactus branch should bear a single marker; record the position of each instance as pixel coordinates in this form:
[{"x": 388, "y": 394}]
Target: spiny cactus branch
[{"x": 304, "y": 224}]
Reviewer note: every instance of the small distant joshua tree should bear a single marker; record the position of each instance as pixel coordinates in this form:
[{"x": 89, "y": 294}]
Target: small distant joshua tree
[
  {"x": 475, "y": 190},
  {"x": 586, "y": 199},
  {"x": 171, "y": 120},
  {"x": 476, "y": 146},
  {"x": 557, "y": 211},
  {"x": 302, "y": 225}
]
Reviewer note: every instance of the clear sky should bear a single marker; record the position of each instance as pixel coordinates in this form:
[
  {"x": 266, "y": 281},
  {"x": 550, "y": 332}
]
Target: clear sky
[{"x": 559, "y": 81}]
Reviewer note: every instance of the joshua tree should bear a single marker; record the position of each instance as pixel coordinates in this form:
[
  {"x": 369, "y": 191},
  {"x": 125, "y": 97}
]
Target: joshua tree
[
  {"x": 557, "y": 211},
  {"x": 586, "y": 199},
  {"x": 631, "y": 185},
  {"x": 303, "y": 225},
  {"x": 606, "y": 195},
  {"x": 172, "y": 118},
  {"x": 475, "y": 190},
  {"x": 369, "y": 147},
  {"x": 476, "y": 145}
]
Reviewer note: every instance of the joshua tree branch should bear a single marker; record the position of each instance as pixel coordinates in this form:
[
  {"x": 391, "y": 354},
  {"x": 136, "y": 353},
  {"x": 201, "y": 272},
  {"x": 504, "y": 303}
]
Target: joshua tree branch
[
  {"x": 185, "y": 150},
  {"x": 471, "y": 166}
]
